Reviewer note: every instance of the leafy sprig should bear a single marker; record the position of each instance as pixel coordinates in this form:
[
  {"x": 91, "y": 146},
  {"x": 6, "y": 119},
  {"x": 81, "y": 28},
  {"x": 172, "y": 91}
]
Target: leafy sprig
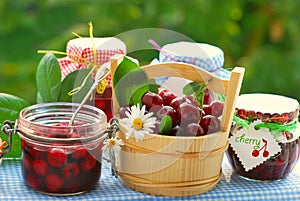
[{"x": 196, "y": 89}]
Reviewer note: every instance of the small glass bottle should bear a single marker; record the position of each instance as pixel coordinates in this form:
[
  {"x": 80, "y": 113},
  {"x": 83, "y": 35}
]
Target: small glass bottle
[{"x": 57, "y": 158}]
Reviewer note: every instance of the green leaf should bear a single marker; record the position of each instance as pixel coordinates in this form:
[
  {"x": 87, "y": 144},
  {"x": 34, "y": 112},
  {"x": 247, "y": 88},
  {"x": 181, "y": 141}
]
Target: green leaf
[
  {"x": 39, "y": 98},
  {"x": 153, "y": 86},
  {"x": 72, "y": 81},
  {"x": 165, "y": 125},
  {"x": 124, "y": 67},
  {"x": 191, "y": 87},
  {"x": 48, "y": 79},
  {"x": 136, "y": 97},
  {"x": 130, "y": 83},
  {"x": 10, "y": 106},
  {"x": 197, "y": 89}
]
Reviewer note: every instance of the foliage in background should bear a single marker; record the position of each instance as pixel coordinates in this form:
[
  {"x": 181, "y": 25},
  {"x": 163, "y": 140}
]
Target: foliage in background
[{"x": 263, "y": 36}]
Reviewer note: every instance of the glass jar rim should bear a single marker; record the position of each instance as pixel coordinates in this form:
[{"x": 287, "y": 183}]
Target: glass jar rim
[{"x": 32, "y": 116}]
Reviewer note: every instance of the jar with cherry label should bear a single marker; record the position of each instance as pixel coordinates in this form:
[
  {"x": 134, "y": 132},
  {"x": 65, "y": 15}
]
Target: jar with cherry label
[
  {"x": 58, "y": 158},
  {"x": 264, "y": 138}
]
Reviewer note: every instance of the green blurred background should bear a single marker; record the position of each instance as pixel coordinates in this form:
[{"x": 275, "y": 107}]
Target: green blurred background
[{"x": 261, "y": 35}]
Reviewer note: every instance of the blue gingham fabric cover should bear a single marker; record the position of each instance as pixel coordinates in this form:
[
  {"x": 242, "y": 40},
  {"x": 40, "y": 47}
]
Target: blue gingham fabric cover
[
  {"x": 230, "y": 187},
  {"x": 205, "y": 56}
]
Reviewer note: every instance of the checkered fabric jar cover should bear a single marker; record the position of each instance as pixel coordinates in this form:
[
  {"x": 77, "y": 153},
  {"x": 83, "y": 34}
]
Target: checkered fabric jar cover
[
  {"x": 80, "y": 53},
  {"x": 205, "y": 56}
]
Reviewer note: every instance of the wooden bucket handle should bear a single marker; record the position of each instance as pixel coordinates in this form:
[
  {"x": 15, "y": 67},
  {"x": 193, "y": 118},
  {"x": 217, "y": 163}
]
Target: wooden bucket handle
[{"x": 230, "y": 88}]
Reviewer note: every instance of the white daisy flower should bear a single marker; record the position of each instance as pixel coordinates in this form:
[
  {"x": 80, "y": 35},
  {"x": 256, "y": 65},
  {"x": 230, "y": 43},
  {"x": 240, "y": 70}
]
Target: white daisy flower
[
  {"x": 112, "y": 144},
  {"x": 137, "y": 122}
]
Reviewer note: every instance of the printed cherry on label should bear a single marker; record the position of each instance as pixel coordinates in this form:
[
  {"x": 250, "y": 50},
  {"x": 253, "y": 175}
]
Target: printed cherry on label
[{"x": 255, "y": 153}]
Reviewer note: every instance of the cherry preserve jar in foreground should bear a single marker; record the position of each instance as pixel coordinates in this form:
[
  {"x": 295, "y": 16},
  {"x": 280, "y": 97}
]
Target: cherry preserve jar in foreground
[
  {"x": 57, "y": 158},
  {"x": 264, "y": 139}
]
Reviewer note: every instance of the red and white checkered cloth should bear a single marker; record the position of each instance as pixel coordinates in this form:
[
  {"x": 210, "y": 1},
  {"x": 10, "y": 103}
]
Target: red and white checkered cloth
[{"x": 80, "y": 54}]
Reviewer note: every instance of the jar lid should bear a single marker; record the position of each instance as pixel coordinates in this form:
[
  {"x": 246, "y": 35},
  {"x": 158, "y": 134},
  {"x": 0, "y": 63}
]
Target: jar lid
[
  {"x": 267, "y": 103},
  {"x": 80, "y": 53},
  {"x": 205, "y": 56},
  {"x": 105, "y": 43},
  {"x": 267, "y": 108}
]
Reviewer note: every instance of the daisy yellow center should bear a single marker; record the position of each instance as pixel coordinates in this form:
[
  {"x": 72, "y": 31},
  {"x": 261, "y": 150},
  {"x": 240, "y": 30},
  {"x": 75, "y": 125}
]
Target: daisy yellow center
[
  {"x": 137, "y": 124},
  {"x": 112, "y": 142}
]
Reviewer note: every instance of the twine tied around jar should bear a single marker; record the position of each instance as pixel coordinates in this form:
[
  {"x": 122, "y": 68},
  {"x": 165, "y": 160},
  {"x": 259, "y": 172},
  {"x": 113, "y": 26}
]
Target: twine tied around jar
[{"x": 276, "y": 129}]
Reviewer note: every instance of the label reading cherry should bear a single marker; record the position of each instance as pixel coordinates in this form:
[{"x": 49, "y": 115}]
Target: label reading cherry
[{"x": 253, "y": 147}]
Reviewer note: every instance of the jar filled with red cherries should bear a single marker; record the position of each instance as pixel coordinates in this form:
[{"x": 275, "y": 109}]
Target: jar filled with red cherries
[
  {"x": 59, "y": 158},
  {"x": 264, "y": 138}
]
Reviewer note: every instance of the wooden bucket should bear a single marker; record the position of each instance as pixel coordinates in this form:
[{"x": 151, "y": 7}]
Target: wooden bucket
[{"x": 178, "y": 166}]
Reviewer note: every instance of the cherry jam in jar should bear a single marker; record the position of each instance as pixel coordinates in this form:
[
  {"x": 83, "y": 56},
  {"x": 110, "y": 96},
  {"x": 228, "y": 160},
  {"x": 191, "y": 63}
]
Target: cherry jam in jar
[
  {"x": 104, "y": 101},
  {"x": 276, "y": 112},
  {"x": 57, "y": 158}
]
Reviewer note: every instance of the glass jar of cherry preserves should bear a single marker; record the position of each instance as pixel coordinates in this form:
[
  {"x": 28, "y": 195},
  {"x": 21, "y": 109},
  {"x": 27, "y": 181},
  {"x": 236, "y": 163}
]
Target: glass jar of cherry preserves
[
  {"x": 57, "y": 158},
  {"x": 264, "y": 139}
]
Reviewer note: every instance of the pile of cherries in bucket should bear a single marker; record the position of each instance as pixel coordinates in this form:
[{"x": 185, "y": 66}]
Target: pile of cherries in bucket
[{"x": 189, "y": 118}]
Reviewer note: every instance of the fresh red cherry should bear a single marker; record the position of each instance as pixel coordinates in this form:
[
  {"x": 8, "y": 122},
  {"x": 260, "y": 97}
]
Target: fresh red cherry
[
  {"x": 149, "y": 99},
  {"x": 168, "y": 97},
  {"x": 162, "y": 91},
  {"x": 210, "y": 124},
  {"x": 168, "y": 110},
  {"x": 192, "y": 100},
  {"x": 56, "y": 157},
  {"x": 188, "y": 113},
  {"x": 209, "y": 96},
  {"x": 207, "y": 109},
  {"x": 178, "y": 101},
  {"x": 155, "y": 130},
  {"x": 155, "y": 108},
  {"x": 122, "y": 111},
  {"x": 216, "y": 108},
  {"x": 194, "y": 129}
]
